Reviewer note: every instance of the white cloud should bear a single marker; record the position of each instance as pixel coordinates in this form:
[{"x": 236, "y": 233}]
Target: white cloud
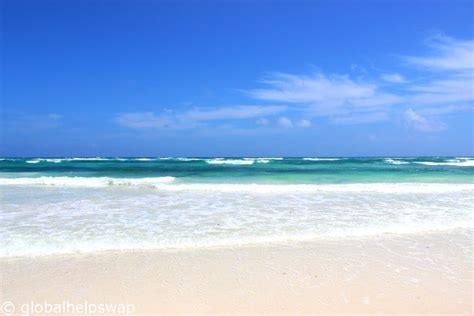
[
  {"x": 452, "y": 63},
  {"x": 324, "y": 95},
  {"x": 449, "y": 109},
  {"x": 304, "y": 123},
  {"x": 422, "y": 123},
  {"x": 448, "y": 54},
  {"x": 194, "y": 117},
  {"x": 233, "y": 112},
  {"x": 363, "y": 118},
  {"x": 311, "y": 89},
  {"x": 451, "y": 89},
  {"x": 393, "y": 78},
  {"x": 285, "y": 122},
  {"x": 441, "y": 83},
  {"x": 447, "y": 87}
]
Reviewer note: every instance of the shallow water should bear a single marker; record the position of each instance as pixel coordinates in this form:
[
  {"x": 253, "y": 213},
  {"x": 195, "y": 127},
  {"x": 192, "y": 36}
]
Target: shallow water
[{"x": 67, "y": 205}]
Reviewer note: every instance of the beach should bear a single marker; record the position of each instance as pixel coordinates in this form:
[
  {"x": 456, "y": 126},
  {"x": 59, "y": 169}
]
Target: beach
[
  {"x": 424, "y": 274},
  {"x": 236, "y": 157},
  {"x": 238, "y": 235}
]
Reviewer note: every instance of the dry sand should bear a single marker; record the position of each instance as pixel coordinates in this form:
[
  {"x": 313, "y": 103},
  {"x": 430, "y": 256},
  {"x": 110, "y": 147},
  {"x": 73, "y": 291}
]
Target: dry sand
[{"x": 429, "y": 274}]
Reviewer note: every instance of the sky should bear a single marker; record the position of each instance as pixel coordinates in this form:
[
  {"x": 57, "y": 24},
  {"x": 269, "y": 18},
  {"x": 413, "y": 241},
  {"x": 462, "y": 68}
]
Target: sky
[{"x": 237, "y": 78}]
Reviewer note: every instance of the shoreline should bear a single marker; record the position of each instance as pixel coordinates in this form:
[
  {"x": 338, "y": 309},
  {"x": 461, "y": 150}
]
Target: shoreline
[
  {"x": 427, "y": 273},
  {"x": 334, "y": 239}
]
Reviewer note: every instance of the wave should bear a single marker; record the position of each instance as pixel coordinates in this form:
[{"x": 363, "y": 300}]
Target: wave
[
  {"x": 167, "y": 183},
  {"x": 395, "y": 162},
  {"x": 240, "y": 161},
  {"x": 86, "y": 181},
  {"x": 37, "y": 160},
  {"x": 222, "y": 161},
  {"x": 41, "y": 248},
  {"x": 59, "y": 160},
  {"x": 79, "y": 159},
  {"x": 243, "y": 161},
  {"x": 322, "y": 159},
  {"x": 186, "y": 159},
  {"x": 450, "y": 162}
]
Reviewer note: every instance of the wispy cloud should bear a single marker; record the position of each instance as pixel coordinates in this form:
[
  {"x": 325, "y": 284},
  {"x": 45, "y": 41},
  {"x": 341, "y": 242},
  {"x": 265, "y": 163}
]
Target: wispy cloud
[
  {"x": 448, "y": 54},
  {"x": 195, "y": 117},
  {"x": 285, "y": 122},
  {"x": 311, "y": 88},
  {"x": 364, "y": 118},
  {"x": 304, "y": 123},
  {"x": 442, "y": 110},
  {"x": 443, "y": 83},
  {"x": 451, "y": 62},
  {"x": 422, "y": 123},
  {"x": 324, "y": 95},
  {"x": 233, "y": 112},
  {"x": 263, "y": 121},
  {"x": 393, "y": 78},
  {"x": 435, "y": 84}
]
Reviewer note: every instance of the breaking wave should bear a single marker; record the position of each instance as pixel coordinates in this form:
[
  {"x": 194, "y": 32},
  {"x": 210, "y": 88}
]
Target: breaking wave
[
  {"x": 168, "y": 183},
  {"x": 86, "y": 181},
  {"x": 396, "y": 162}
]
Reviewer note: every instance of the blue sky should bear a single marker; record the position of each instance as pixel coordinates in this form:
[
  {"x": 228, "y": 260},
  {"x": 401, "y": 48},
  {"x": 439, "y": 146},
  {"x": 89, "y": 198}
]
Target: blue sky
[{"x": 233, "y": 78}]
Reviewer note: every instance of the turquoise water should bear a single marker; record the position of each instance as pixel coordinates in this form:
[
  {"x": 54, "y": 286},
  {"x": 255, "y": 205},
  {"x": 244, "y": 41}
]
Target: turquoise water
[
  {"x": 54, "y": 206},
  {"x": 251, "y": 170}
]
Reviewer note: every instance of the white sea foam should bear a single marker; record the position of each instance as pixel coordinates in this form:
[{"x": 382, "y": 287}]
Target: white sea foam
[
  {"x": 396, "y": 162},
  {"x": 187, "y": 159},
  {"x": 69, "y": 220},
  {"x": 451, "y": 162},
  {"x": 322, "y": 159},
  {"x": 258, "y": 160},
  {"x": 86, "y": 181},
  {"x": 59, "y": 160},
  {"x": 222, "y": 161},
  {"x": 395, "y": 188},
  {"x": 37, "y": 160},
  {"x": 87, "y": 158},
  {"x": 167, "y": 183}
]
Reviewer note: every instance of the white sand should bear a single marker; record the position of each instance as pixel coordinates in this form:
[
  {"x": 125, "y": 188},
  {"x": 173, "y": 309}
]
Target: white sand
[{"x": 429, "y": 274}]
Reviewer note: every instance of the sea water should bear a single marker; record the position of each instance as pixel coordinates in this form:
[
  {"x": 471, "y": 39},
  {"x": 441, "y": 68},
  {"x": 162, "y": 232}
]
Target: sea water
[{"x": 80, "y": 205}]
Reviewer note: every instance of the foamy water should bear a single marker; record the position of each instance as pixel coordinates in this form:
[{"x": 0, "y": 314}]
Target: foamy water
[{"x": 70, "y": 205}]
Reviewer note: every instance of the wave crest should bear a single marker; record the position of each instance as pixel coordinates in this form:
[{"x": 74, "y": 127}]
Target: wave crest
[
  {"x": 395, "y": 162},
  {"x": 166, "y": 184},
  {"x": 322, "y": 159},
  {"x": 86, "y": 182},
  {"x": 450, "y": 162}
]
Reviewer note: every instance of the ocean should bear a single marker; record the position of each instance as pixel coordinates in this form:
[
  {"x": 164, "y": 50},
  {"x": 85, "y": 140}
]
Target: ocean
[{"x": 81, "y": 205}]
